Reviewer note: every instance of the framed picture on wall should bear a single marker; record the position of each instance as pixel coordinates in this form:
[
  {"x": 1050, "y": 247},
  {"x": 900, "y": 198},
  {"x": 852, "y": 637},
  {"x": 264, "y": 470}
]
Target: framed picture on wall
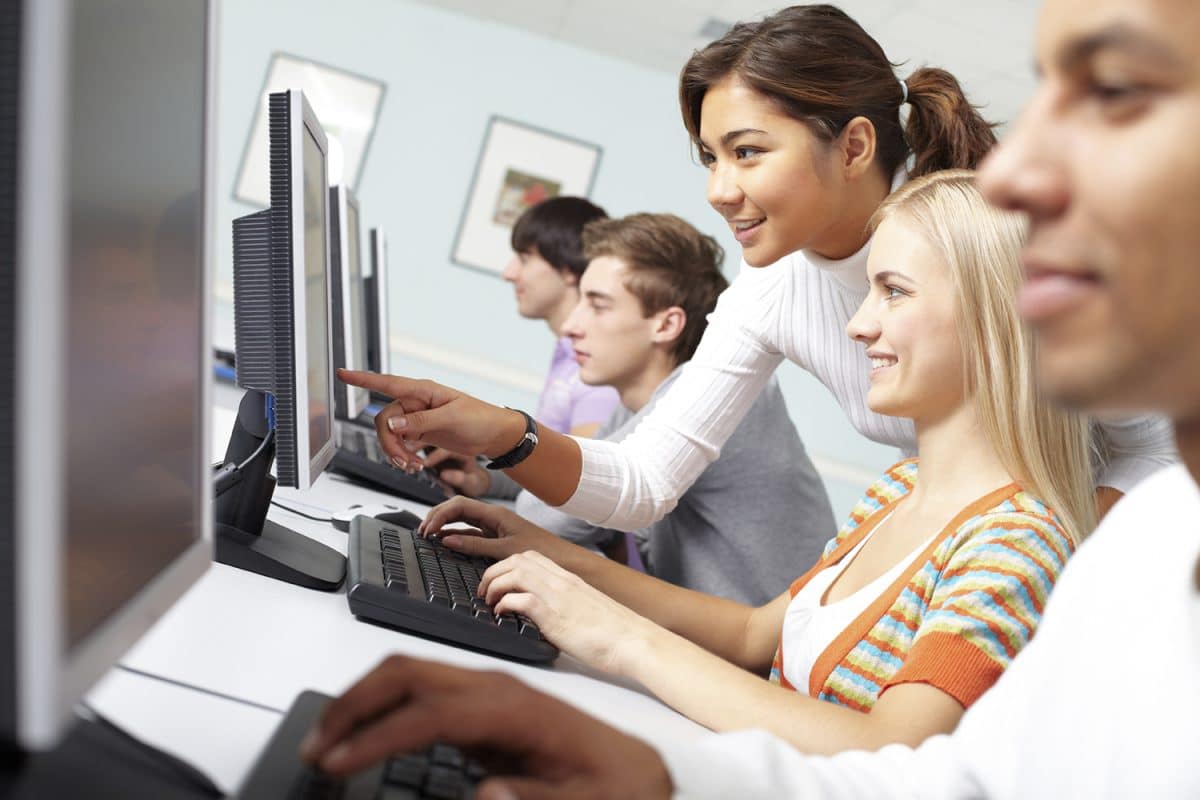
[
  {"x": 519, "y": 165},
  {"x": 346, "y": 103}
]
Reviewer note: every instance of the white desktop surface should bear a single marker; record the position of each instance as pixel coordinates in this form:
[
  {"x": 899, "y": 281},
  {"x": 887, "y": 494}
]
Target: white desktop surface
[{"x": 261, "y": 640}]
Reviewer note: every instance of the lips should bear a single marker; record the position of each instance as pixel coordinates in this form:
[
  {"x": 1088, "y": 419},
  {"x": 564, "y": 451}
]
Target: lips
[
  {"x": 1049, "y": 292},
  {"x": 745, "y": 229},
  {"x": 880, "y": 361}
]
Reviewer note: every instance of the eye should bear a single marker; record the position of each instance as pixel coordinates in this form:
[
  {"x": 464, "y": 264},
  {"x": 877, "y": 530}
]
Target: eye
[
  {"x": 743, "y": 152},
  {"x": 706, "y": 158},
  {"x": 892, "y": 292}
]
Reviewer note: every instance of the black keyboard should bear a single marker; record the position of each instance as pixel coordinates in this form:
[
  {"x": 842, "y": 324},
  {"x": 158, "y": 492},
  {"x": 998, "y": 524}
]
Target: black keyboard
[
  {"x": 397, "y": 578},
  {"x": 359, "y": 456},
  {"x": 440, "y": 773}
]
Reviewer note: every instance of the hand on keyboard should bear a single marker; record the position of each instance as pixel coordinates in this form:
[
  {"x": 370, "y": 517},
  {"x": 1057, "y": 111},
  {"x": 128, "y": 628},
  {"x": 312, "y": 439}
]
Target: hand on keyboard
[
  {"x": 574, "y": 616},
  {"x": 502, "y": 532},
  {"x": 538, "y": 746}
]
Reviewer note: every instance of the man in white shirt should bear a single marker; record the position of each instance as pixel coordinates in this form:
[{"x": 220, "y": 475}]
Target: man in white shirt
[{"x": 1105, "y": 702}]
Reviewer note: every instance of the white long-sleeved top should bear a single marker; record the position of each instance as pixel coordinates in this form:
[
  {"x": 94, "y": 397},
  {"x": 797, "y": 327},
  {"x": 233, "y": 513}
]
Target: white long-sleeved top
[
  {"x": 797, "y": 308},
  {"x": 1103, "y": 703}
]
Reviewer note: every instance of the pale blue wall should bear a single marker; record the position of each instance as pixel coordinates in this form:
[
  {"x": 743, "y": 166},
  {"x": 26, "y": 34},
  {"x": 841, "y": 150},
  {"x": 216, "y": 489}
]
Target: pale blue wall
[{"x": 445, "y": 76}]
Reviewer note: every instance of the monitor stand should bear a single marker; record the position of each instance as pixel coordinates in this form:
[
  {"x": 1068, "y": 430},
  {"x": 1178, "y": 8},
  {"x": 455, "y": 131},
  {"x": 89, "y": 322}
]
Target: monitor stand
[{"x": 244, "y": 537}]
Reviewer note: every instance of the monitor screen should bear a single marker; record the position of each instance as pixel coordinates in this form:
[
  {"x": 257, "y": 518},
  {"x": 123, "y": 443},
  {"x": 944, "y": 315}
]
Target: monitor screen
[
  {"x": 134, "y": 295},
  {"x": 316, "y": 273}
]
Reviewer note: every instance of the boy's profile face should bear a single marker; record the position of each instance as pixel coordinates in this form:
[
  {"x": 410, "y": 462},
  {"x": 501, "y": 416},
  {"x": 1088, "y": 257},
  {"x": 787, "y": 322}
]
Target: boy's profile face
[
  {"x": 613, "y": 339},
  {"x": 1105, "y": 163},
  {"x": 538, "y": 286}
]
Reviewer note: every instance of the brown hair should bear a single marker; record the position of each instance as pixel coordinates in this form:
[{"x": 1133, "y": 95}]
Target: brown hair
[
  {"x": 824, "y": 70},
  {"x": 669, "y": 263}
]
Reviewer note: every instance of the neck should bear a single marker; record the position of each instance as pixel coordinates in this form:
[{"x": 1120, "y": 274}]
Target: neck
[
  {"x": 636, "y": 393},
  {"x": 958, "y": 463},
  {"x": 558, "y": 315},
  {"x": 849, "y": 232}
]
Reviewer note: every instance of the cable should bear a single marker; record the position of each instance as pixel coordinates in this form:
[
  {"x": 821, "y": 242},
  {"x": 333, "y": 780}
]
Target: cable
[
  {"x": 267, "y": 441},
  {"x": 201, "y": 689},
  {"x": 301, "y": 513}
]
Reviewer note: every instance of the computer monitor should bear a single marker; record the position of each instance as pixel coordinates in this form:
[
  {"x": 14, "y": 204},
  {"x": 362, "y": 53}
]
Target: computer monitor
[
  {"x": 378, "y": 331},
  {"x": 282, "y": 324},
  {"x": 349, "y": 301},
  {"x": 106, "y": 156}
]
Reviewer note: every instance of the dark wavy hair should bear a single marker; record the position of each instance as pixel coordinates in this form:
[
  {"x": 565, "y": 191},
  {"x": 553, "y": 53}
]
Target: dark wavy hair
[{"x": 821, "y": 68}]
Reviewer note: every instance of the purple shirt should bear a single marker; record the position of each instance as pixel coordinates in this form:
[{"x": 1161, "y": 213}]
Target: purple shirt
[{"x": 568, "y": 402}]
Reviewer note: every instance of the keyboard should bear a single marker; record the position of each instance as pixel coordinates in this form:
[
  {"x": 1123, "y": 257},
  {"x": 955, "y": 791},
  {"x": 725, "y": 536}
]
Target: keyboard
[
  {"x": 399, "y": 579},
  {"x": 440, "y": 773},
  {"x": 359, "y": 456}
]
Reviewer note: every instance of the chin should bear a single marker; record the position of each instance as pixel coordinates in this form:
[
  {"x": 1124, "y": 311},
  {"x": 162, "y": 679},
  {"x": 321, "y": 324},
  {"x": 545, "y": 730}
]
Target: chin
[
  {"x": 882, "y": 404},
  {"x": 762, "y": 255},
  {"x": 1082, "y": 387}
]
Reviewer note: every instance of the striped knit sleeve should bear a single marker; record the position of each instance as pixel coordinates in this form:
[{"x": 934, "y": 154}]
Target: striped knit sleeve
[{"x": 986, "y": 604}]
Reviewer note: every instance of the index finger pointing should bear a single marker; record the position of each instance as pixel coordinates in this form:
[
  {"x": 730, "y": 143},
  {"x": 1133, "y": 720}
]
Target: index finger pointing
[{"x": 392, "y": 385}]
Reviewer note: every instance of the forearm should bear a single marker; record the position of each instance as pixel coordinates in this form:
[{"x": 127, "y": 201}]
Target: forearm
[
  {"x": 552, "y": 470},
  {"x": 719, "y": 626},
  {"x": 723, "y": 697}
]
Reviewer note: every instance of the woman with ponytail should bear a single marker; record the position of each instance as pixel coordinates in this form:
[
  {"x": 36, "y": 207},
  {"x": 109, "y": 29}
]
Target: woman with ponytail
[{"x": 805, "y": 130}]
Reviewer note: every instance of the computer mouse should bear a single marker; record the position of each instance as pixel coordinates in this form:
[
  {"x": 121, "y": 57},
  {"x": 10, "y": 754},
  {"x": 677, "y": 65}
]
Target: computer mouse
[{"x": 386, "y": 513}]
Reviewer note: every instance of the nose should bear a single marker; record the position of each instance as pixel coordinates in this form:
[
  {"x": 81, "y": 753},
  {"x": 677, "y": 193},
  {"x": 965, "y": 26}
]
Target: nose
[
  {"x": 1027, "y": 171},
  {"x": 863, "y": 327},
  {"x": 573, "y": 324},
  {"x": 511, "y": 269},
  {"x": 723, "y": 190}
]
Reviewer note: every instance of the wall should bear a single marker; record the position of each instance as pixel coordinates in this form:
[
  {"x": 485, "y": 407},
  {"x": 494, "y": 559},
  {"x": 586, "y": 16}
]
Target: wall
[{"x": 445, "y": 75}]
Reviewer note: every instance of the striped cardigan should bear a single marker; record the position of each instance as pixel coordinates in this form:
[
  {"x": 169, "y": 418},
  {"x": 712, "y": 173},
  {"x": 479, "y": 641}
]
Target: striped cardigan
[{"x": 958, "y": 614}]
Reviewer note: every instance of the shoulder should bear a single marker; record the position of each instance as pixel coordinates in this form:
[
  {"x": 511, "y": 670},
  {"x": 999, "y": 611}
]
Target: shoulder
[
  {"x": 895, "y": 483},
  {"x": 1019, "y": 531},
  {"x": 757, "y": 290}
]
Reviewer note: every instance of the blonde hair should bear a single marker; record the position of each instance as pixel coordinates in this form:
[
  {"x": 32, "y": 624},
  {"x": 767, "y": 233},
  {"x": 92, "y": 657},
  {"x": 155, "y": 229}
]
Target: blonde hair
[{"x": 1045, "y": 448}]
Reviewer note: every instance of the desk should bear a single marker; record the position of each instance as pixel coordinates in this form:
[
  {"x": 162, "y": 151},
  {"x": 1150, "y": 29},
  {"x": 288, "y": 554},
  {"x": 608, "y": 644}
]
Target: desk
[{"x": 249, "y": 637}]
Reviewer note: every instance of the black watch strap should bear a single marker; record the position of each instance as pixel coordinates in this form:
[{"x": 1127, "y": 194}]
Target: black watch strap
[{"x": 523, "y": 448}]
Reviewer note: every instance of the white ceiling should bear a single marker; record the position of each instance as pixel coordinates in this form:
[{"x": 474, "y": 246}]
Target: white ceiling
[{"x": 987, "y": 44}]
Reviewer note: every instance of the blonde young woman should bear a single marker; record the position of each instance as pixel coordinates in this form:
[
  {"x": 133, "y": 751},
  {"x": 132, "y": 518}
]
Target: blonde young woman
[{"x": 939, "y": 576}]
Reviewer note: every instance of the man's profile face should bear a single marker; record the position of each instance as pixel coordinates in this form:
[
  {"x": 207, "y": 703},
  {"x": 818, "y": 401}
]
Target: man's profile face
[{"x": 1105, "y": 161}]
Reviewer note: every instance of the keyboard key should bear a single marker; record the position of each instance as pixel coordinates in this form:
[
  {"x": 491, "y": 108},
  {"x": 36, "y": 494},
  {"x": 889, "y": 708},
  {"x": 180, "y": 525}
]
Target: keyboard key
[
  {"x": 445, "y": 784},
  {"x": 446, "y": 756},
  {"x": 530, "y": 631},
  {"x": 507, "y": 623},
  {"x": 407, "y": 770},
  {"x": 397, "y": 793},
  {"x": 313, "y": 784}
]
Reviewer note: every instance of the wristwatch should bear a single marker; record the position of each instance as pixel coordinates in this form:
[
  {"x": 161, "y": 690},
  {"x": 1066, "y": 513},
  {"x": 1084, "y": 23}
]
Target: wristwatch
[{"x": 523, "y": 448}]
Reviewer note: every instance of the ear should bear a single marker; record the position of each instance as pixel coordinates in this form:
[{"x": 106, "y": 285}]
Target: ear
[
  {"x": 856, "y": 147},
  {"x": 668, "y": 325},
  {"x": 570, "y": 278}
]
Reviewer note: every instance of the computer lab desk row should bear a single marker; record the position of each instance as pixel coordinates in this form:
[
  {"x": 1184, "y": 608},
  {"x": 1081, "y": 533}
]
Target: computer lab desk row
[{"x": 232, "y": 654}]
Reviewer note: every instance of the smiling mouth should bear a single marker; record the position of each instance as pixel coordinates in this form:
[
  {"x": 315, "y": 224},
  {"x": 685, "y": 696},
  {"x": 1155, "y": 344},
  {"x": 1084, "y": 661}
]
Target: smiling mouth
[
  {"x": 744, "y": 230},
  {"x": 878, "y": 362}
]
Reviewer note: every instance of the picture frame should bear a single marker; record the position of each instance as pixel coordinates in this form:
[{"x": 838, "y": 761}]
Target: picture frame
[
  {"x": 347, "y": 104},
  {"x": 518, "y": 165}
]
